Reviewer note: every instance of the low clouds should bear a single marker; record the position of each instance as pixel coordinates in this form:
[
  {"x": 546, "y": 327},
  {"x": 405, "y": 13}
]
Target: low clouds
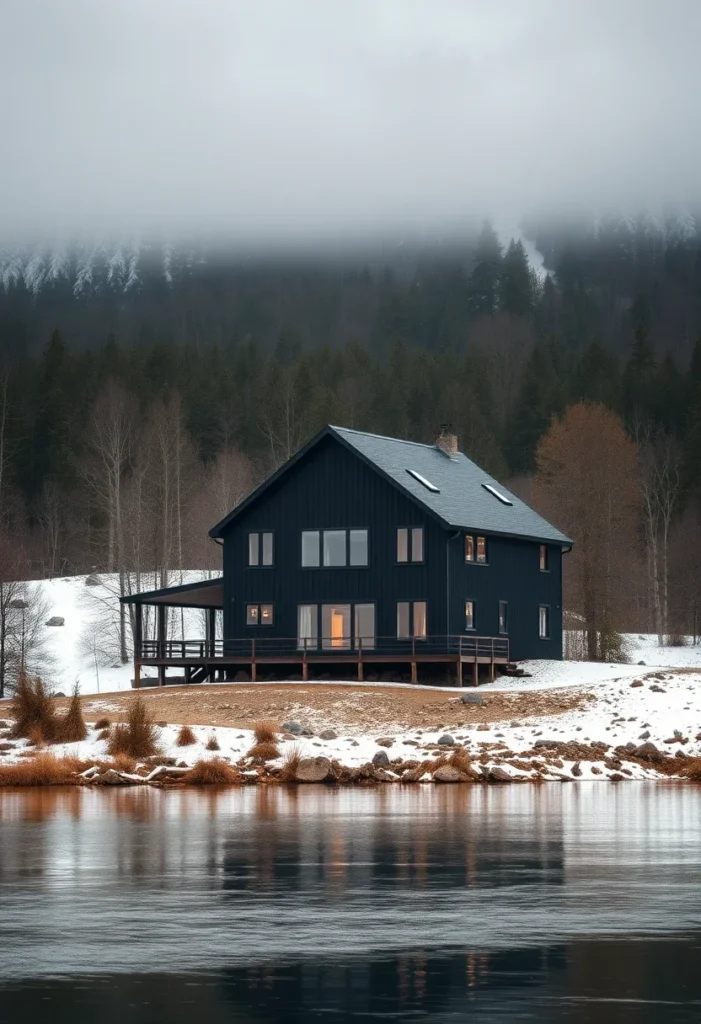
[{"x": 269, "y": 121}]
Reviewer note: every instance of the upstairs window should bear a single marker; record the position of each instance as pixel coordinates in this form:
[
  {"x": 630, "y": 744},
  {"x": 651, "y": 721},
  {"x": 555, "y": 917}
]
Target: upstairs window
[
  {"x": 544, "y": 622},
  {"x": 475, "y": 549},
  {"x": 334, "y": 549},
  {"x": 260, "y": 549},
  {"x": 358, "y": 547},
  {"x": 543, "y": 558},
  {"x": 469, "y": 614},
  {"x": 410, "y": 544}
]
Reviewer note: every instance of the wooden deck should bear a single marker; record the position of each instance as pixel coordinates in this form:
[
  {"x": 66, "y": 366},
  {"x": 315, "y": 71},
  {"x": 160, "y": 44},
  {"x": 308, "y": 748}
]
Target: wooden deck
[{"x": 201, "y": 660}]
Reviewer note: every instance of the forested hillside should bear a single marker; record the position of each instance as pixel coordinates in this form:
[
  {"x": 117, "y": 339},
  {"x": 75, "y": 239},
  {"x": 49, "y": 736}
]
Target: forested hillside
[{"x": 137, "y": 406}]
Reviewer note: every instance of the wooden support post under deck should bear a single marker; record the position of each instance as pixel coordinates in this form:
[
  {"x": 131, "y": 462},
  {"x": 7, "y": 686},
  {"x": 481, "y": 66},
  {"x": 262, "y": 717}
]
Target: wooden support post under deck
[
  {"x": 253, "y": 661},
  {"x": 161, "y": 675},
  {"x": 161, "y": 625},
  {"x": 137, "y": 675},
  {"x": 459, "y": 669},
  {"x": 305, "y": 664},
  {"x": 188, "y": 673},
  {"x": 360, "y": 660},
  {"x": 475, "y": 673},
  {"x": 414, "y": 671}
]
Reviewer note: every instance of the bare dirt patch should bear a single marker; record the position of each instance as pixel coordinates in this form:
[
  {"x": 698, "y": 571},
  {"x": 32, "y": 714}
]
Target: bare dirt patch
[{"x": 350, "y": 708}]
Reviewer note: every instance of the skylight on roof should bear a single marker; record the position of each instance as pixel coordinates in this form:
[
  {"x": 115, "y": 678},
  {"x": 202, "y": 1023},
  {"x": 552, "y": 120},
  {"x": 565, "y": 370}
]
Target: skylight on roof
[
  {"x": 497, "y": 494},
  {"x": 422, "y": 480}
]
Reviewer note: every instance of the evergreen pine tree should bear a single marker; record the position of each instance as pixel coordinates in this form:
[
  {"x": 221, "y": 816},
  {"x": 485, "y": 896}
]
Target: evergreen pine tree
[
  {"x": 516, "y": 282},
  {"x": 484, "y": 278}
]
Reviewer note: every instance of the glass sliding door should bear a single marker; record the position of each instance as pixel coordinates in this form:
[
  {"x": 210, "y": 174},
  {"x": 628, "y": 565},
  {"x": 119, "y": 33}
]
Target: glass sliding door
[
  {"x": 365, "y": 626},
  {"x": 336, "y": 626}
]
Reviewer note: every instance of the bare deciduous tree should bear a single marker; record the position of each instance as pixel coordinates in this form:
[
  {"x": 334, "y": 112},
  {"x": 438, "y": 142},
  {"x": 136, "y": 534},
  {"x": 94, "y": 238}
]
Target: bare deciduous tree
[{"x": 587, "y": 484}]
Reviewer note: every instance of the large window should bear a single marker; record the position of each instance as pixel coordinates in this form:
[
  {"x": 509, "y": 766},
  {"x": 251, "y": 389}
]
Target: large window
[
  {"x": 259, "y": 615},
  {"x": 411, "y": 620},
  {"x": 475, "y": 549},
  {"x": 543, "y": 557},
  {"x": 410, "y": 544},
  {"x": 503, "y": 617},
  {"x": 544, "y": 622},
  {"x": 260, "y": 548},
  {"x": 469, "y": 614},
  {"x": 334, "y": 549},
  {"x": 308, "y": 627},
  {"x": 335, "y": 626}
]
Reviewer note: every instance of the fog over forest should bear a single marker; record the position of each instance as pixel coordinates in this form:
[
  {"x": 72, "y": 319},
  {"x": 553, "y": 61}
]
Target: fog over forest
[{"x": 224, "y": 224}]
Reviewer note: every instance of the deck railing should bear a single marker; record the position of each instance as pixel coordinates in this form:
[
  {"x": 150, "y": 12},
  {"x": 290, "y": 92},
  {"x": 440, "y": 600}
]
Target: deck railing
[{"x": 250, "y": 649}]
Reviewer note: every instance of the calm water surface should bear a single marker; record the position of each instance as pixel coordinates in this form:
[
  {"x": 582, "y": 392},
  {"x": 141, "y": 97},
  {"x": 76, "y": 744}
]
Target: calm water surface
[{"x": 564, "y": 903}]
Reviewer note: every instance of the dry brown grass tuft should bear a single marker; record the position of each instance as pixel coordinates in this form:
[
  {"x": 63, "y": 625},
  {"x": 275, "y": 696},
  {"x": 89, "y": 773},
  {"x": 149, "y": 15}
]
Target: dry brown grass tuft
[
  {"x": 137, "y": 737},
  {"x": 460, "y": 759},
  {"x": 101, "y": 724},
  {"x": 42, "y": 770},
  {"x": 288, "y": 772},
  {"x": 123, "y": 763},
  {"x": 211, "y": 773},
  {"x": 264, "y": 752},
  {"x": 213, "y": 743},
  {"x": 264, "y": 732},
  {"x": 186, "y": 737},
  {"x": 33, "y": 709},
  {"x": 104, "y": 735},
  {"x": 691, "y": 769},
  {"x": 35, "y": 738},
  {"x": 71, "y": 727}
]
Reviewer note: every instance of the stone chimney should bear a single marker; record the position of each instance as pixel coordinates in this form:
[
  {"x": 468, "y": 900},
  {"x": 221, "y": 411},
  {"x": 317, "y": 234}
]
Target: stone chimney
[{"x": 447, "y": 441}]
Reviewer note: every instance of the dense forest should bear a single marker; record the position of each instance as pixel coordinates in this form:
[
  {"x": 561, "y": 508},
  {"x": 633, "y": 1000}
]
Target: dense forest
[{"x": 136, "y": 409}]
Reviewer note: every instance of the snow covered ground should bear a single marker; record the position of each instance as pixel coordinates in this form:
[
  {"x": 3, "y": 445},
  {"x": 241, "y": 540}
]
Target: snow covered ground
[{"x": 85, "y": 649}]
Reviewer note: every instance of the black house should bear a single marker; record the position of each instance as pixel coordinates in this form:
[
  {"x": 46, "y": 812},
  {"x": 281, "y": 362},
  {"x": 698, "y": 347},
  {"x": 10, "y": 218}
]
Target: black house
[{"x": 372, "y": 550}]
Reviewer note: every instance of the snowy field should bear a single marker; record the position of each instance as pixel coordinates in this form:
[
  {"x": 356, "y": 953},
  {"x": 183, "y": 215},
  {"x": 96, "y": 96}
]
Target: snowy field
[{"x": 85, "y": 648}]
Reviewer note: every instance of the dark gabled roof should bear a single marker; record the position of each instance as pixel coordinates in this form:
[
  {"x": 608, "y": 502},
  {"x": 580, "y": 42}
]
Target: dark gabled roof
[
  {"x": 203, "y": 594},
  {"x": 457, "y": 495}
]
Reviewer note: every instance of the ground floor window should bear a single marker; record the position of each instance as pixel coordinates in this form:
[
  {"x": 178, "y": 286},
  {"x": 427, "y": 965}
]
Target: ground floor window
[
  {"x": 503, "y": 617},
  {"x": 544, "y": 622},
  {"x": 308, "y": 626},
  {"x": 411, "y": 620},
  {"x": 259, "y": 615},
  {"x": 365, "y": 626},
  {"x": 469, "y": 614}
]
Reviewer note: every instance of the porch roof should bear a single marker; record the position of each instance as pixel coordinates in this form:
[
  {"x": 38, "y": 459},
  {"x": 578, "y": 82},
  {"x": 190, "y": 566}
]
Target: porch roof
[{"x": 205, "y": 594}]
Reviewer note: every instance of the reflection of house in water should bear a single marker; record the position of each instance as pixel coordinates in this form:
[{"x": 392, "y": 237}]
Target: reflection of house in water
[{"x": 343, "y": 854}]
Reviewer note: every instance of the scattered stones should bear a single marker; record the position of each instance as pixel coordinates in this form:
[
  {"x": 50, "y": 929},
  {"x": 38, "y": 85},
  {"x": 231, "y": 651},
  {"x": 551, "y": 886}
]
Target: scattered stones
[
  {"x": 385, "y": 741},
  {"x": 657, "y": 689},
  {"x": 109, "y": 778},
  {"x": 447, "y": 773},
  {"x": 483, "y": 727},
  {"x": 649, "y": 752},
  {"x": 595, "y": 770},
  {"x": 306, "y": 731},
  {"x": 328, "y": 734},
  {"x": 645, "y": 735},
  {"x": 642, "y": 663},
  {"x": 577, "y": 770},
  {"x": 56, "y": 620},
  {"x": 313, "y": 769},
  {"x": 446, "y": 740},
  {"x": 637, "y": 682},
  {"x": 499, "y": 775},
  {"x": 473, "y": 698},
  {"x": 93, "y": 580},
  {"x": 380, "y": 759},
  {"x": 616, "y": 777},
  {"x": 294, "y": 728}
]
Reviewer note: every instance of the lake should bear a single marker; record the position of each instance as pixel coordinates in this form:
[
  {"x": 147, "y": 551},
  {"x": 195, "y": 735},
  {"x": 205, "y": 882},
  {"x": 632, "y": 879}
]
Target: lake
[{"x": 571, "y": 902}]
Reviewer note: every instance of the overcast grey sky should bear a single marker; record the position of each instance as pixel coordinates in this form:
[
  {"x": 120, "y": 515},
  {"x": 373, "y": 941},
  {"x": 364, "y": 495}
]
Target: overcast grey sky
[{"x": 277, "y": 119}]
